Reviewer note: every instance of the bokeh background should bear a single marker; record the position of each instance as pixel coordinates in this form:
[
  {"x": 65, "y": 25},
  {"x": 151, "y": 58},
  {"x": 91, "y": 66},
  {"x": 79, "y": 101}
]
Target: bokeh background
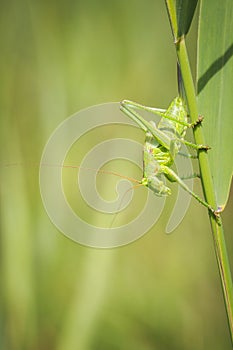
[{"x": 160, "y": 292}]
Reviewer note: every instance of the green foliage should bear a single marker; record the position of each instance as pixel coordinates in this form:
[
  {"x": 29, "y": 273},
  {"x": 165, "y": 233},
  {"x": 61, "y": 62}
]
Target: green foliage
[
  {"x": 207, "y": 174},
  {"x": 214, "y": 87},
  {"x": 181, "y": 12},
  {"x": 185, "y": 11}
]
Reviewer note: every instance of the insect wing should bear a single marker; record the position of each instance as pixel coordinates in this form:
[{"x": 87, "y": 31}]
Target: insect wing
[{"x": 177, "y": 110}]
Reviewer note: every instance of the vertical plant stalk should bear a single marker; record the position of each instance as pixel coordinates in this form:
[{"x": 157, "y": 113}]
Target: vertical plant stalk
[{"x": 207, "y": 183}]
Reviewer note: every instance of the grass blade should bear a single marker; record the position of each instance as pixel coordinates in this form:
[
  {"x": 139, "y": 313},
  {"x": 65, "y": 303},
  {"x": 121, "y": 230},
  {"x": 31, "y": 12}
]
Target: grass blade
[{"x": 215, "y": 85}]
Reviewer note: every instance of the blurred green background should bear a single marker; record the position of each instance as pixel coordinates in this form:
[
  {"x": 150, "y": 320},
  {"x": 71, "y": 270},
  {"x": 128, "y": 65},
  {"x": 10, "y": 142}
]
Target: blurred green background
[{"x": 160, "y": 292}]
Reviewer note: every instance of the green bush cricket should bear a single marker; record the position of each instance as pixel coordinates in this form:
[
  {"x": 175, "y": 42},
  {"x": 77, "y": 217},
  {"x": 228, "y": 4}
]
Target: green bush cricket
[{"x": 162, "y": 144}]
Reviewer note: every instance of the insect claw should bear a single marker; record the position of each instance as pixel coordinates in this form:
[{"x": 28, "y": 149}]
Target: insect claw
[
  {"x": 200, "y": 118},
  {"x": 217, "y": 216},
  {"x": 218, "y": 211},
  {"x": 204, "y": 148},
  {"x": 198, "y": 121}
]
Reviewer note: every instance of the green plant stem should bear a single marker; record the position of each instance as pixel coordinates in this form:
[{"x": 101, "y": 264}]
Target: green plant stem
[{"x": 207, "y": 184}]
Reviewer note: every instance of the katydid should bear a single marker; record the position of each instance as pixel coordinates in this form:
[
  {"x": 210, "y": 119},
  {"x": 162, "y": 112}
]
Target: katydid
[{"x": 162, "y": 144}]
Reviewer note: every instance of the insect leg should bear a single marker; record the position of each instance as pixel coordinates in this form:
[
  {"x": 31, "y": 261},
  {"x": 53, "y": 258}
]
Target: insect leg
[
  {"x": 197, "y": 122},
  {"x": 136, "y": 105},
  {"x": 159, "y": 135},
  {"x": 158, "y": 111},
  {"x": 195, "y": 146},
  {"x": 190, "y": 144},
  {"x": 187, "y": 155},
  {"x": 172, "y": 174},
  {"x": 192, "y": 176},
  {"x": 162, "y": 113}
]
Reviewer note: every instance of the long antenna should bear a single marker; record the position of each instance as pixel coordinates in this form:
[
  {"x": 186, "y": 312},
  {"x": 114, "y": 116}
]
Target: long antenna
[{"x": 34, "y": 164}]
